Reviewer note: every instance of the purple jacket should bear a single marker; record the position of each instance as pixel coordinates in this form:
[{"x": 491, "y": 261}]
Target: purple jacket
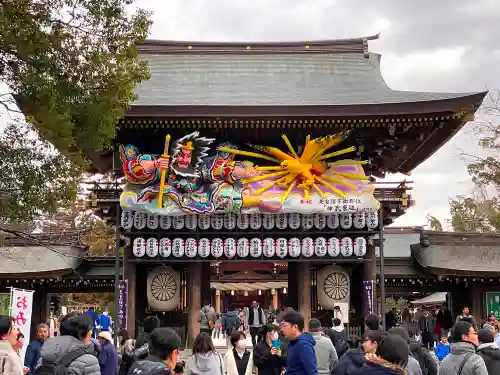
[{"x": 108, "y": 359}]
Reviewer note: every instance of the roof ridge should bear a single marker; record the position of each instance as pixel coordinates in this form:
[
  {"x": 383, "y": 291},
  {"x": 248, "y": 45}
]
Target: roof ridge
[{"x": 350, "y": 45}]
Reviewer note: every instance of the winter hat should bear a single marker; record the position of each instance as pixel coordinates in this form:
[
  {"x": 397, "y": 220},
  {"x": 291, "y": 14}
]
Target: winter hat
[
  {"x": 485, "y": 336},
  {"x": 401, "y": 332},
  {"x": 394, "y": 349},
  {"x": 106, "y": 335}
]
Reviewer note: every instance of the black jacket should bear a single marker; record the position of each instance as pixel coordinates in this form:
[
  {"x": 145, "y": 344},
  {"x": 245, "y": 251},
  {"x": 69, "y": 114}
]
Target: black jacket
[
  {"x": 427, "y": 363},
  {"x": 491, "y": 356},
  {"x": 350, "y": 363},
  {"x": 267, "y": 363},
  {"x": 339, "y": 341},
  {"x": 149, "y": 366}
]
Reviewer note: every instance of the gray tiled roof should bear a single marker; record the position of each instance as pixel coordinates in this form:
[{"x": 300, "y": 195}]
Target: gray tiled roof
[
  {"x": 37, "y": 259},
  {"x": 255, "y": 79}
]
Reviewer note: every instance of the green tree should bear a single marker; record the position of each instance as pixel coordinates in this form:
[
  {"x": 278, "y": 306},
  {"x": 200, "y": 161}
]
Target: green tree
[
  {"x": 434, "y": 224},
  {"x": 71, "y": 67}
]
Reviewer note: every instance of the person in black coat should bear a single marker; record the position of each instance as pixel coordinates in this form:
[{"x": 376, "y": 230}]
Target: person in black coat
[
  {"x": 353, "y": 360},
  {"x": 338, "y": 337},
  {"x": 267, "y": 357},
  {"x": 427, "y": 363},
  {"x": 489, "y": 351}
]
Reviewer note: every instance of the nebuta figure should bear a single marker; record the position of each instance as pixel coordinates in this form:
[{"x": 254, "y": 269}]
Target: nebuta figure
[{"x": 196, "y": 183}]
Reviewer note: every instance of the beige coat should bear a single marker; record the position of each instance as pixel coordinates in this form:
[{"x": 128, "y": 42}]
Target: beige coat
[
  {"x": 229, "y": 364},
  {"x": 10, "y": 363}
]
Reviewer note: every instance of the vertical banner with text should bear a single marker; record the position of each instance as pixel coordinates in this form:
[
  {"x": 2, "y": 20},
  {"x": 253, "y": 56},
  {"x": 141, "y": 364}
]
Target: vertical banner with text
[
  {"x": 21, "y": 306},
  {"x": 122, "y": 304},
  {"x": 368, "y": 295}
]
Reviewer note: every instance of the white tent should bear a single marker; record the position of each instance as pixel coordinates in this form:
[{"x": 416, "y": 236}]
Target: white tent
[{"x": 432, "y": 299}]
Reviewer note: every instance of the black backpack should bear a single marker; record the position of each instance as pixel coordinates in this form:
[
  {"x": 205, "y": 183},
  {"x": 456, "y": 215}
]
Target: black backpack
[{"x": 60, "y": 367}]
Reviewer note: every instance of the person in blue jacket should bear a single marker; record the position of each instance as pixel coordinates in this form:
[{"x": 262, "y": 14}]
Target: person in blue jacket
[
  {"x": 301, "y": 359},
  {"x": 442, "y": 349},
  {"x": 94, "y": 318},
  {"x": 34, "y": 348},
  {"x": 105, "y": 321}
]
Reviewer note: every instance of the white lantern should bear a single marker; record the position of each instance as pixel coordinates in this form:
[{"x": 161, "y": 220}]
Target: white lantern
[
  {"x": 152, "y": 247},
  {"x": 293, "y": 248},
  {"x": 333, "y": 247},
  {"x": 139, "y": 247},
  {"x": 242, "y": 221},
  {"x": 268, "y": 248},
  {"x": 281, "y": 247},
  {"x": 281, "y": 221},
  {"x": 178, "y": 247},
  {"x": 229, "y": 247},
  {"x": 165, "y": 248},
  {"x": 127, "y": 220},
  {"x": 165, "y": 222},
  {"x": 204, "y": 247},
  {"x": 255, "y": 247},
  {"x": 217, "y": 221},
  {"x": 307, "y": 221},
  {"x": 332, "y": 221},
  {"x": 346, "y": 247},
  {"x": 319, "y": 221},
  {"x": 294, "y": 221},
  {"x": 203, "y": 222},
  {"x": 191, "y": 248},
  {"x": 255, "y": 221},
  {"x": 217, "y": 247},
  {"x": 230, "y": 221},
  {"x": 152, "y": 221},
  {"x": 307, "y": 247},
  {"x": 372, "y": 220},
  {"x": 140, "y": 220},
  {"x": 178, "y": 222},
  {"x": 191, "y": 222},
  {"x": 345, "y": 221},
  {"x": 243, "y": 249},
  {"x": 268, "y": 221},
  {"x": 360, "y": 246},
  {"x": 359, "y": 221},
  {"x": 320, "y": 248}
]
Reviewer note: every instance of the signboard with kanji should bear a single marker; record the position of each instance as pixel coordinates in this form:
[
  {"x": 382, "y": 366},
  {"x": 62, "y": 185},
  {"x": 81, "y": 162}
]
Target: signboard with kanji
[
  {"x": 21, "y": 309},
  {"x": 493, "y": 303},
  {"x": 4, "y": 303}
]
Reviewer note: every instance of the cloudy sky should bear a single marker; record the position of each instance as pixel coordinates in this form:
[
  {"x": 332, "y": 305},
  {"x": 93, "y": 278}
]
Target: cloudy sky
[{"x": 445, "y": 45}]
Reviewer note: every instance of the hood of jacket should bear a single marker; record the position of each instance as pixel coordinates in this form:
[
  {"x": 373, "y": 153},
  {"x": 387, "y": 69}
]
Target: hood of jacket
[
  {"x": 382, "y": 368},
  {"x": 206, "y": 363},
  {"x": 357, "y": 356},
  {"x": 301, "y": 352},
  {"x": 303, "y": 338},
  {"x": 57, "y": 347},
  {"x": 462, "y": 347},
  {"x": 339, "y": 328},
  {"x": 490, "y": 350}
]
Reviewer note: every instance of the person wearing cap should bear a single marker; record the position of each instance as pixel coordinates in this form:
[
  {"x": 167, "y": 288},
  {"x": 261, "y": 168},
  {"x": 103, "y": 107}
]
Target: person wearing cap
[
  {"x": 108, "y": 356},
  {"x": 489, "y": 351},
  {"x": 326, "y": 355}
]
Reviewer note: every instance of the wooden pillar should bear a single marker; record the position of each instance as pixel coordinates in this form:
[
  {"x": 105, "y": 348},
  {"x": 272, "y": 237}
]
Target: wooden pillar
[
  {"x": 193, "y": 301},
  {"x": 274, "y": 293},
  {"x": 304, "y": 292},
  {"x": 217, "y": 302},
  {"x": 130, "y": 274},
  {"x": 206, "y": 292},
  {"x": 370, "y": 274}
]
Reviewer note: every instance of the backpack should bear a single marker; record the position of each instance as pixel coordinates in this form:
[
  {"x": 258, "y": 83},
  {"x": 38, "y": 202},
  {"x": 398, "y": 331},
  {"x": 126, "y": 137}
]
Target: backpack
[
  {"x": 341, "y": 346},
  {"x": 232, "y": 323},
  {"x": 60, "y": 367},
  {"x": 158, "y": 369}
]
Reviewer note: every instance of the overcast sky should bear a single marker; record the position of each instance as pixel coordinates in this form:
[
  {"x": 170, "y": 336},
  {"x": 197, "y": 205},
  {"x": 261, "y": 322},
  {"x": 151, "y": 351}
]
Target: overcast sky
[{"x": 445, "y": 45}]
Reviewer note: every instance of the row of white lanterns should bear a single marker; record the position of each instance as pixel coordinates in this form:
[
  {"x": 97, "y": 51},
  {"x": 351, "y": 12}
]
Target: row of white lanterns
[
  {"x": 141, "y": 220},
  {"x": 244, "y": 247}
]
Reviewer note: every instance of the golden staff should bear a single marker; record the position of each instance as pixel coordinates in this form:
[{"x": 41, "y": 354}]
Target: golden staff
[{"x": 163, "y": 171}]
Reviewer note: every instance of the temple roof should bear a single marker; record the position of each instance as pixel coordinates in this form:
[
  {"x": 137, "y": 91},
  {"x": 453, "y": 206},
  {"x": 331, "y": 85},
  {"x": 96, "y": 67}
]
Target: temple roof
[
  {"x": 339, "y": 73},
  {"x": 464, "y": 254}
]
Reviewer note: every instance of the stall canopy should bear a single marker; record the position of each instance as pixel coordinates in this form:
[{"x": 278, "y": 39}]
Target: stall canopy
[{"x": 432, "y": 299}]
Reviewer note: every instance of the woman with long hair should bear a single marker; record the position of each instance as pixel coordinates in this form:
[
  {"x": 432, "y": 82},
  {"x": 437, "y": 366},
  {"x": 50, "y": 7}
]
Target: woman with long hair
[
  {"x": 267, "y": 356},
  {"x": 204, "y": 360},
  {"x": 9, "y": 340}
]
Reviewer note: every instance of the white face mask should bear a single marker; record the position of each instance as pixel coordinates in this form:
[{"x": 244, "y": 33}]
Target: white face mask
[
  {"x": 240, "y": 344},
  {"x": 274, "y": 336},
  {"x": 105, "y": 313}
]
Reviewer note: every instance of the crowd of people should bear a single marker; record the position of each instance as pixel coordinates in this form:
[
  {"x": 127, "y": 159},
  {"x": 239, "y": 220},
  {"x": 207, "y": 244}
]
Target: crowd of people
[{"x": 280, "y": 346}]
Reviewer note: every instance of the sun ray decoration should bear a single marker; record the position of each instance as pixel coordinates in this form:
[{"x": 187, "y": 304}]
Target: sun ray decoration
[{"x": 305, "y": 171}]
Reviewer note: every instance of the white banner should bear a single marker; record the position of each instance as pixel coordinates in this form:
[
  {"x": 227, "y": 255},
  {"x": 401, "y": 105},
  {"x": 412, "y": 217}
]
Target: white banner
[{"x": 21, "y": 306}]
